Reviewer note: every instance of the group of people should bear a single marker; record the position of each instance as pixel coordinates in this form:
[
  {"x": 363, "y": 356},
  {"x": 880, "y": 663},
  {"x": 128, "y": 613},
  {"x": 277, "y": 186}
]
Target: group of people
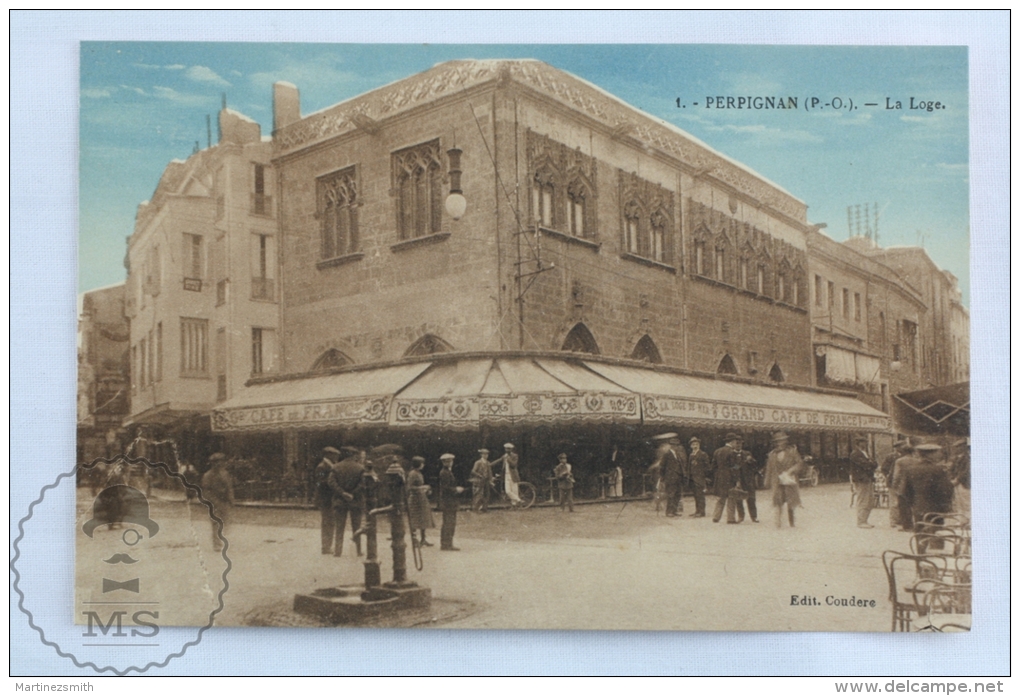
[
  {"x": 340, "y": 495},
  {"x": 484, "y": 475},
  {"x": 734, "y": 472},
  {"x": 921, "y": 480}
]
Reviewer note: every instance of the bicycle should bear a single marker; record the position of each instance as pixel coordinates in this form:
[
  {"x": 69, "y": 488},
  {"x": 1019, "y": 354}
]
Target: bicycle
[{"x": 525, "y": 491}]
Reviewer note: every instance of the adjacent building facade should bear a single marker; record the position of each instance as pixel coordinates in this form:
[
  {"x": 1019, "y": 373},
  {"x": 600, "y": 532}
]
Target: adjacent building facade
[
  {"x": 941, "y": 348},
  {"x": 202, "y": 294},
  {"x": 103, "y": 372}
]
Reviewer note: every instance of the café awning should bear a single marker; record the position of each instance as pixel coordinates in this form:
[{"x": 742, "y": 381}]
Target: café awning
[
  {"x": 466, "y": 392},
  {"x": 671, "y": 398},
  {"x": 513, "y": 390},
  {"x": 359, "y": 397}
]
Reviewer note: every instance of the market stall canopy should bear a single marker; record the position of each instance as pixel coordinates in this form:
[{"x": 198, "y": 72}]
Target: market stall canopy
[
  {"x": 941, "y": 410},
  {"x": 465, "y": 392}
]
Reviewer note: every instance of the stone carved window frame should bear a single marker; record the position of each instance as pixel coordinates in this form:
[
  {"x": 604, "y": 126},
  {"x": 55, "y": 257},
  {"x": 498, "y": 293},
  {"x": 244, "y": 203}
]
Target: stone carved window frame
[
  {"x": 644, "y": 208},
  {"x": 338, "y": 199},
  {"x": 561, "y": 182},
  {"x": 766, "y": 257},
  {"x": 418, "y": 173}
]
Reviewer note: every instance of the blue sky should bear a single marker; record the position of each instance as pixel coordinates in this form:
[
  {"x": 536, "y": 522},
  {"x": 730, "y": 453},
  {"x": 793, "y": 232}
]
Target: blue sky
[{"x": 143, "y": 104}]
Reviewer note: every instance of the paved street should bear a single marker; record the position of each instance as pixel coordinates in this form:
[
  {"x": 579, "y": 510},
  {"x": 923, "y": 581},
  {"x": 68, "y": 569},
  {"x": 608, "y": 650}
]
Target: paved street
[{"x": 608, "y": 565}]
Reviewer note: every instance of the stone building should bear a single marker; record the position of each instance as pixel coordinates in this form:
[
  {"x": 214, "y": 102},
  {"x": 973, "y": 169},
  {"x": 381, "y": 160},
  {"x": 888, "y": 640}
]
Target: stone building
[
  {"x": 202, "y": 294},
  {"x": 103, "y": 372},
  {"x": 939, "y": 345},
  {"x": 609, "y": 276},
  {"x": 865, "y": 320}
]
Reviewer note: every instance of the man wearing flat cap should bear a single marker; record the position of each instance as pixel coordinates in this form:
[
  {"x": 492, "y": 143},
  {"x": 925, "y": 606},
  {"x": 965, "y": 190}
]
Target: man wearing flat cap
[
  {"x": 699, "y": 464},
  {"x": 481, "y": 482},
  {"x": 862, "y": 469},
  {"x": 671, "y": 470}
]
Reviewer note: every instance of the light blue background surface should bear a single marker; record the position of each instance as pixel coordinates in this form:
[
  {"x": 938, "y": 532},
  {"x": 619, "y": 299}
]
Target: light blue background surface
[{"x": 44, "y": 124}]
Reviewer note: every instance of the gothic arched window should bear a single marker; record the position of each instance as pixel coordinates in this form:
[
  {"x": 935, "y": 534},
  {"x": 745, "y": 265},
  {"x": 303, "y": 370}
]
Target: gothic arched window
[
  {"x": 776, "y": 373},
  {"x": 338, "y": 208},
  {"x": 727, "y": 366},
  {"x": 543, "y": 198},
  {"x": 577, "y": 209},
  {"x": 580, "y": 340},
  {"x": 417, "y": 175},
  {"x": 429, "y": 344},
  {"x": 632, "y": 227},
  {"x": 331, "y": 360},
  {"x": 647, "y": 351}
]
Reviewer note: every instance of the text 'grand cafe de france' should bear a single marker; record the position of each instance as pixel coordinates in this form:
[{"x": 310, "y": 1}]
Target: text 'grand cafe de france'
[{"x": 495, "y": 251}]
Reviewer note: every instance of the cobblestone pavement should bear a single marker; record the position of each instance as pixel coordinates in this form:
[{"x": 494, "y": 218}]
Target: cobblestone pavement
[{"x": 606, "y": 566}]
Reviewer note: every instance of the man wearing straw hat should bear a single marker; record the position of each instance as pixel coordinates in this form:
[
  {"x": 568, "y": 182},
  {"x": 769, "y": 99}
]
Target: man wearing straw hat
[{"x": 781, "y": 471}]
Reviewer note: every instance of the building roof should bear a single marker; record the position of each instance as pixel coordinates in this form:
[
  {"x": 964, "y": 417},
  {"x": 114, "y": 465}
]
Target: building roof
[{"x": 455, "y": 77}]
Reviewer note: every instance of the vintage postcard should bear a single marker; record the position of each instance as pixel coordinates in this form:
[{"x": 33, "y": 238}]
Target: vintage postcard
[
  {"x": 413, "y": 319},
  {"x": 613, "y": 337}
]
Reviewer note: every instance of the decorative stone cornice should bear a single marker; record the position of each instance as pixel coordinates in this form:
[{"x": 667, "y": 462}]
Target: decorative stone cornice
[
  {"x": 619, "y": 118},
  {"x": 440, "y": 81}
]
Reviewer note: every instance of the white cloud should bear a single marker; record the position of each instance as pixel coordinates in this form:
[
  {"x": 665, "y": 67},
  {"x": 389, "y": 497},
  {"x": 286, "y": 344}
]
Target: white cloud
[
  {"x": 144, "y": 66},
  {"x": 200, "y": 73},
  {"x": 95, "y": 93},
  {"x": 758, "y": 131},
  {"x": 136, "y": 90},
  {"x": 175, "y": 66},
  {"x": 173, "y": 95}
]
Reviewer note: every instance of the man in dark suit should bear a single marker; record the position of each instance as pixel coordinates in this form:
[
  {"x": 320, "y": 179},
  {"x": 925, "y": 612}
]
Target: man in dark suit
[
  {"x": 862, "y": 469},
  {"x": 324, "y": 496},
  {"x": 927, "y": 487},
  {"x": 699, "y": 464},
  {"x": 671, "y": 469},
  {"x": 448, "y": 492},
  {"x": 726, "y": 461},
  {"x": 345, "y": 482},
  {"x": 900, "y": 449},
  {"x": 748, "y": 481},
  {"x": 904, "y": 515}
]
